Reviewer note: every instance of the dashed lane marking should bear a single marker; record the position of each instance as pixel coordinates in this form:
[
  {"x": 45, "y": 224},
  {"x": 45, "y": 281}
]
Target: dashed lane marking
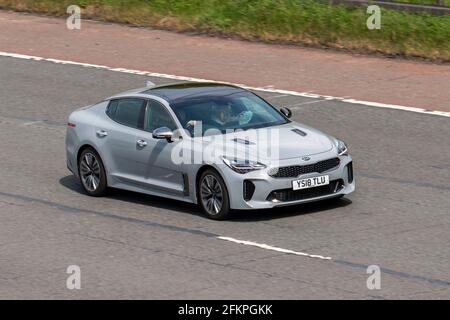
[{"x": 277, "y": 249}]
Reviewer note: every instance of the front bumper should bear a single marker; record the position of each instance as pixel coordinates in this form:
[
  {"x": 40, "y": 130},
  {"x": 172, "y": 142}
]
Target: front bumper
[{"x": 268, "y": 192}]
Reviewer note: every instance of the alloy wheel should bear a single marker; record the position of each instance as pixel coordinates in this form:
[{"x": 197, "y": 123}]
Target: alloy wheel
[
  {"x": 90, "y": 172},
  {"x": 211, "y": 194}
]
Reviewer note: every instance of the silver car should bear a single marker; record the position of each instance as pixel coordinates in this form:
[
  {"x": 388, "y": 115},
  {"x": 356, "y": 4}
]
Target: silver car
[{"x": 216, "y": 145}]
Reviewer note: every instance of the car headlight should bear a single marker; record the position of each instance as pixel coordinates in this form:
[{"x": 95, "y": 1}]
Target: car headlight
[
  {"x": 341, "y": 147},
  {"x": 242, "y": 166}
]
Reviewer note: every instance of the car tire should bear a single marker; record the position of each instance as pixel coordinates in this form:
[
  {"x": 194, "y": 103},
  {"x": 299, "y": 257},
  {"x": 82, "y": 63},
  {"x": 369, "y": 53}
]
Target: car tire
[
  {"x": 92, "y": 174},
  {"x": 212, "y": 195}
]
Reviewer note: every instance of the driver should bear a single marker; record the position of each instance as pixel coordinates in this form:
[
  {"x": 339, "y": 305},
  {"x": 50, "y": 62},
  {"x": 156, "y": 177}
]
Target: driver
[{"x": 221, "y": 115}]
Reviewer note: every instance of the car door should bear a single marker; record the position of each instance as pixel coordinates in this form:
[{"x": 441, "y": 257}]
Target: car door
[
  {"x": 119, "y": 151},
  {"x": 158, "y": 171}
]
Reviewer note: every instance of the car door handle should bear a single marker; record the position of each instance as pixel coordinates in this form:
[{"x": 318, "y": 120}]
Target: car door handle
[
  {"x": 141, "y": 143},
  {"x": 102, "y": 133}
]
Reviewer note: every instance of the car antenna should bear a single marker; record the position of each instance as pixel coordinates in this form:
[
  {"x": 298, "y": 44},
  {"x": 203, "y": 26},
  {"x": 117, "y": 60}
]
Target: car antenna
[{"x": 149, "y": 84}]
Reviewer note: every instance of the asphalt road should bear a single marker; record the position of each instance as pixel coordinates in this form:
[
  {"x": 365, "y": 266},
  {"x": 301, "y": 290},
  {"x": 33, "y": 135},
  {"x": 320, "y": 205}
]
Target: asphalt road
[{"x": 135, "y": 246}]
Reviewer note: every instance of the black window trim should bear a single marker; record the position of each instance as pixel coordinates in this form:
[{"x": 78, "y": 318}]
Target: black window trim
[{"x": 147, "y": 106}]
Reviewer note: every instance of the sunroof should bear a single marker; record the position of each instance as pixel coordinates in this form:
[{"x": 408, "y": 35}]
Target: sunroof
[{"x": 178, "y": 91}]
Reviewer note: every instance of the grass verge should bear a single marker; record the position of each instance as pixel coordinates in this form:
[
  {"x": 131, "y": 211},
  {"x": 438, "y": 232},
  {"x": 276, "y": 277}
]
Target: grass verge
[{"x": 292, "y": 21}]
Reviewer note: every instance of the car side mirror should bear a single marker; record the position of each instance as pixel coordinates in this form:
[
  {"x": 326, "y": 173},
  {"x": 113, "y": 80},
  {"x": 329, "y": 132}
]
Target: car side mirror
[
  {"x": 286, "y": 112},
  {"x": 163, "y": 133}
]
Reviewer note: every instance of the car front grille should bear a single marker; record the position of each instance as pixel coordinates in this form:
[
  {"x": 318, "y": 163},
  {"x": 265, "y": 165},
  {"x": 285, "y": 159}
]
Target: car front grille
[
  {"x": 295, "y": 171},
  {"x": 286, "y": 195}
]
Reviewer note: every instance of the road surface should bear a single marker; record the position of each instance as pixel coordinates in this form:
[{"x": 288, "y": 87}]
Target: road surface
[{"x": 135, "y": 246}]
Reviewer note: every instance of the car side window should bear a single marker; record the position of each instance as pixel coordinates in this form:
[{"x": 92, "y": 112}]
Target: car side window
[
  {"x": 157, "y": 117},
  {"x": 127, "y": 111},
  {"x": 111, "y": 109}
]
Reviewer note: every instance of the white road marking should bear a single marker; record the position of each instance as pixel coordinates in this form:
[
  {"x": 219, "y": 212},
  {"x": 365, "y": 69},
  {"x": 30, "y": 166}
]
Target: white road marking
[
  {"x": 267, "y": 247},
  {"x": 264, "y": 89},
  {"x": 277, "y": 96},
  {"x": 307, "y": 102},
  {"x": 31, "y": 123}
]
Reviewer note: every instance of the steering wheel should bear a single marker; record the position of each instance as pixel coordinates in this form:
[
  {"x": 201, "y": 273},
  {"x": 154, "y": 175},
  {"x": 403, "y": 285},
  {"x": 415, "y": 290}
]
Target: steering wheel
[{"x": 245, "y": 117}]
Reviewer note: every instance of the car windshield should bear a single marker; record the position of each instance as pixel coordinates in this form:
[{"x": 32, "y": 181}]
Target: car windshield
[{"x": 224, "y": 113}]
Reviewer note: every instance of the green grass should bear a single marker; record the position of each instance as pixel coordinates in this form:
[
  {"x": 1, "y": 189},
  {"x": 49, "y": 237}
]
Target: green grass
[
  {"x": 446, "y": 2},
  {"x": 295, "y": 21}
]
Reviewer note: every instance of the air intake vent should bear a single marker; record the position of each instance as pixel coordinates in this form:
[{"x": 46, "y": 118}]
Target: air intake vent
[
  {"x": 185, "y": 184},
  {"x": 300, "y": 132},
  {"x": 246, "y": 142},
  {"x": 286, "y": 195},
  {"x": 249, "y": 190},
  {"x": 350, "y": 172}
]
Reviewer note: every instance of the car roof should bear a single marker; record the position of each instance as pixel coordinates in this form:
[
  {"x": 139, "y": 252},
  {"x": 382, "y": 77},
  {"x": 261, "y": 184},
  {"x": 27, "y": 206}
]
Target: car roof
[{"x": 178, "y": 92}]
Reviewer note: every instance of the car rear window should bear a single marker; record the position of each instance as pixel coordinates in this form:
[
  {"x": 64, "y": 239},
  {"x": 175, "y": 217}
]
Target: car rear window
[{"x": 129, "y": 112}]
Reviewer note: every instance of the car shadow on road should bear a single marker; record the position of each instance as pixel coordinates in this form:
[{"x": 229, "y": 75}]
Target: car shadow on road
[{"x": 70, "y": 182}]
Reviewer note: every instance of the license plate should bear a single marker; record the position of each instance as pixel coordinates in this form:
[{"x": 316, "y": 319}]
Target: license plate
[{"x": 310, "y": 182}]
